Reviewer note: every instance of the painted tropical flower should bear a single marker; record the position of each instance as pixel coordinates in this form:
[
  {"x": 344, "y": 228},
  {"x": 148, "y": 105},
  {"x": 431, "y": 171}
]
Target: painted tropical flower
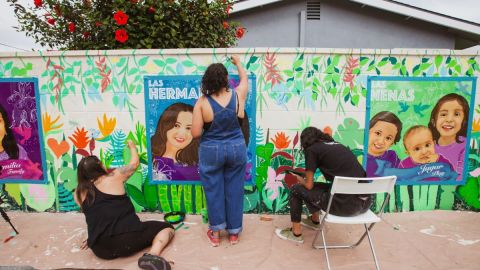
[
  {"x": 328, "y": 130},
  {"x": 476, "y": 125},
  {"x": 281, "y": 141},
  {"x": 107, "y": 126},
  {"x": 50, "y": 125},
  {"x": 80, "y": 138},
  {"x": 120, "y": 17},
  {"x": 274, "y": 181},
  {"x": 121, "y": 35}
]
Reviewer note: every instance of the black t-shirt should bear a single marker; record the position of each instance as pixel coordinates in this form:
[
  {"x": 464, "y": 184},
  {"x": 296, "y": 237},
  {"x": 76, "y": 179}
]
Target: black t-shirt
[{"x": 332, "y": 159}]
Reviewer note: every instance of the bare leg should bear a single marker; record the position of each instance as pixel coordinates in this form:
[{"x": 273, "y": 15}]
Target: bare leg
[
  {"x": 296, "y": 228},
  {"x": 161, "y": 240}
]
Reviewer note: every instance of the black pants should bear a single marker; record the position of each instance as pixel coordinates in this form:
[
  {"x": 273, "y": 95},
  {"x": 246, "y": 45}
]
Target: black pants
[
  {"x": 317, "y": 198},
  {"x": 125, "y": 244}
]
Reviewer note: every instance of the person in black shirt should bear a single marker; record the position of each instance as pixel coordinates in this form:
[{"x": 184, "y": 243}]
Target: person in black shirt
[
  {"x": 114, "y": 230},
  {"x": 332, "y": 159}
]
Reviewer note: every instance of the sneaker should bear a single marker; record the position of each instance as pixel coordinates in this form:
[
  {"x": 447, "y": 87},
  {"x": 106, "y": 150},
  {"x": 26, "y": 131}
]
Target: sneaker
[
  {"x": 287, "y": 234},
  {"x": 214, "y": 240},
  {"x": 233, "y": 238},
  {"x": 152, "y": 262},
  {"x": 307, "y": 222}
]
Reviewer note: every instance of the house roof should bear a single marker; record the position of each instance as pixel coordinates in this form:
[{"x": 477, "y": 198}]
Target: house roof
[{"x": 390, "y": 6}]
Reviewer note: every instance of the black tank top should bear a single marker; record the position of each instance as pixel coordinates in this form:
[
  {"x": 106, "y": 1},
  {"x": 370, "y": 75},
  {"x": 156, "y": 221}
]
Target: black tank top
[{"x": 110, "y": 215}]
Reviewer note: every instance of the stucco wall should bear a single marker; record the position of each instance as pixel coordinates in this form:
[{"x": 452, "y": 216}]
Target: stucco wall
[{"x": 295, "y": 88}]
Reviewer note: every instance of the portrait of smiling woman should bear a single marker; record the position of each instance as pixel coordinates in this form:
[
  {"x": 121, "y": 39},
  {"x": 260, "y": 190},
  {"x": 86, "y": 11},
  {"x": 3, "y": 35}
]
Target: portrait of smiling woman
[{"x": 174, "y": 150}]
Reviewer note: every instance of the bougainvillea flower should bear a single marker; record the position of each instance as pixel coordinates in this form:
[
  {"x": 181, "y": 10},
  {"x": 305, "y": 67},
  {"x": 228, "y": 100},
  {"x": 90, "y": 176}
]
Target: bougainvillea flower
[
  {"x": 38, "y": 3},
  {"x": 240, "y": 32},
  {"x": 71, "y": 27},
  {"x": 51, "y": 21},
  {"x": 121, "y": 35},
  {"x": 86, "y": 34},
  {"x": 151, "y": 9},
  {"x": 225, "y": 25},
  {"x": 79, "y": 138},
  {"x": 107, "y": 126},
  {"x": 281, "y": 141},
  {"x": 120, "y": 17},
  {"x": 98, "y": 24},
  {"x": 133, "y": 1}
]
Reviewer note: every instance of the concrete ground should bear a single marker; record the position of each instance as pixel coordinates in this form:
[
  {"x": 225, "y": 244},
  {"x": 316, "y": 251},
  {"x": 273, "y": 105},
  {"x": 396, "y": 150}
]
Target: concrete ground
[{"x": 419, "y": 240}]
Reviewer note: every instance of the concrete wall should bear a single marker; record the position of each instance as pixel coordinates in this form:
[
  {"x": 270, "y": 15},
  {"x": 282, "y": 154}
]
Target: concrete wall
[
  {"x": 342, "y": 24},
  {"x": 294, "y": 89}
]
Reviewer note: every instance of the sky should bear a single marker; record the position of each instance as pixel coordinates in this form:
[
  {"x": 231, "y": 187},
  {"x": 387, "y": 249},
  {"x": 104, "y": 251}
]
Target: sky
[{"x": 10, "y": 40}]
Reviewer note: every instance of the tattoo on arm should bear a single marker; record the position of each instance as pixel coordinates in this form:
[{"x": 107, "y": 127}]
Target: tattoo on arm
[
  {"x": 170, "y": 235},
  {"x": 127, "y": 169}
]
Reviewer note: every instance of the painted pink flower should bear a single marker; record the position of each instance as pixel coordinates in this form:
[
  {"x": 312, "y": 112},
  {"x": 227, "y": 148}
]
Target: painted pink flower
[{"x": 274, "y": 181}]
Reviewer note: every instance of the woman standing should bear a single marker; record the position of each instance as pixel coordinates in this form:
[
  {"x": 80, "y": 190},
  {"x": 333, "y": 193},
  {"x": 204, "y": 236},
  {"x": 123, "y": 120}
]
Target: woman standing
[
  {"x": 222, "y": 155},
  {"x": 332, "y": 159},
  {"x": 114, "y": 230}
]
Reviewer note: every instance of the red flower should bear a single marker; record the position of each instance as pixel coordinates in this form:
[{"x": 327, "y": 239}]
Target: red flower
[
  {"x": 151, "y": 9},
  {"x": 98, "y": 24},
  {"x": 225, "y": 25},
  {"x": 86, "y": 34},
  {"x": 120, "y": 17},
  {"x": 133, "y": 1},
  {"x": 51, "y": 21},
  {"x": 228, "y": 9},
  {"x": 71, "y": 27},
  {"x": 121, "y": 35},
  {"x": 240, "y": 32},
  {"x": 37, "y": 3}
]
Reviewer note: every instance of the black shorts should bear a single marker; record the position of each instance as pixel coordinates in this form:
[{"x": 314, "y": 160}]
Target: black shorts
[{"x": 125, "y": 244}]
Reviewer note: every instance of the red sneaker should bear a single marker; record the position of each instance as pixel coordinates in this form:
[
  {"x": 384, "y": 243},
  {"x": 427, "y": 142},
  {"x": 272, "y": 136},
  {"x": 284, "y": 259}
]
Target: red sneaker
[
  {"x": 233, "y": 238},
  {"x": 214, "y": 240}
]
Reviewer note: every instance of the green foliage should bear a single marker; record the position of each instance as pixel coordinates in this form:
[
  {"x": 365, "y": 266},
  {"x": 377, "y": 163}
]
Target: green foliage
[{"x": 96, "y": 24}]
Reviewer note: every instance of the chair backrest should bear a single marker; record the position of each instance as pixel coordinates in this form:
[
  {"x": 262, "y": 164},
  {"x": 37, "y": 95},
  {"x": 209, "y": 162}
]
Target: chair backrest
[{"x": 363, "y": 185}]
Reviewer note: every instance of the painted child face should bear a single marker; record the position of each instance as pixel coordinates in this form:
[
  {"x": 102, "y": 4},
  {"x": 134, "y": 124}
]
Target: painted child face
[
  {"x": 420, "y": 146},
  {"x": 381, "y": 136},
  {"x": 2, "y": 128},
  {"x": 180, "y": 135},
  {"x": 449, "y": 118}
]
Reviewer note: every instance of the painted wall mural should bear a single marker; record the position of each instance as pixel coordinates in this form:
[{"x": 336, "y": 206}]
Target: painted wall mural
[
  {"x": 174, "y": 152},
  {"x": 21, "y": 143},
  {"x": 419, "y": 128},
  {"x": 93, "y": 102}
]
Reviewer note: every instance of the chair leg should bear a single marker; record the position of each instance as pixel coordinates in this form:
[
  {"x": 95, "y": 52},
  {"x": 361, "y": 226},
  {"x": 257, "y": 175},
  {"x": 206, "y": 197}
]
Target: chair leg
[
  {"x": 363, "y": 236},
  {"x": 325, "y": 248},
  {"x": 367, "y": 231}
]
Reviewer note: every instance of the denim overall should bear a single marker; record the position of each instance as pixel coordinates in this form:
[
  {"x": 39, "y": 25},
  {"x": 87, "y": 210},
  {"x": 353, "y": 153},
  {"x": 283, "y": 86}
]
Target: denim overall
[{"x": 222, "y": 165}]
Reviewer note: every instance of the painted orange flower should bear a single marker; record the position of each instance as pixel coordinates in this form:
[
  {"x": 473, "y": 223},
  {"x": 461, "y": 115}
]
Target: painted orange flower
[
  {"x": 281, "y": 141},
  {"x": 328, "y": 130},
  {"x": 80, "y": 138},
  {"x": 50, "y": 125},
  {"x": 107, "y": 126},
  {"x": 476, "y": 125}
]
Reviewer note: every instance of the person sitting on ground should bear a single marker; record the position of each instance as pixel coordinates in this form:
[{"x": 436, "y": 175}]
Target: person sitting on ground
[
  {"x": 114, "y": 230},
  {"x": 332, "y": 159}
]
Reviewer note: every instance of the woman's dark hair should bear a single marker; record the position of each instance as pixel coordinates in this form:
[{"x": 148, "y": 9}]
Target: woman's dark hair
[
  {"x": 187, "y": 155},
  {"x": 214, "y": 79},
  {"x": 312, "y": 135},
  {"x": 89, "y": 169},
  {"x": 388, "y": 117},
  {"x": 8, "y": 142},
  {"x": 434, "y": 115},
  {"x": 245, "y": 127}
]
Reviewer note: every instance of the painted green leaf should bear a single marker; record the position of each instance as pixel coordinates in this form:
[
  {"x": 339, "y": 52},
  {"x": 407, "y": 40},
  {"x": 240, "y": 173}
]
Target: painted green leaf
[
  {"x": 171, "y": 60},
  {"x": 13, "y": 190},
  {"x": 142, "y": 62},
  {"x": 470, "y": 192},
  {"x": 438, "y": 61},
  {"x": 151, "y": 195},
  {"x": 135, "y": 194},
  {"x": 159, "y": 63},
  {"x": 39, "y": 197},
  {"x": 69, "y": 178},
  {"x": 187, "y": 63}
]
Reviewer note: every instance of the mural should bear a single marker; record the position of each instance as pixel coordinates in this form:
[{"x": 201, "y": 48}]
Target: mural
[
  {"x": 429, "y": 118},
  {"x": 92, "y": 102},
  {"x": 21, "y": 159},
  {"x": 173, "y": 151}
]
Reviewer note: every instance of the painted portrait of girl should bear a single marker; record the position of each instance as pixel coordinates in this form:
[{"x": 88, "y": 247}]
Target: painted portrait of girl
[
  {"x": 448, "y": 124},
  {"x": 174, "y": 150}
]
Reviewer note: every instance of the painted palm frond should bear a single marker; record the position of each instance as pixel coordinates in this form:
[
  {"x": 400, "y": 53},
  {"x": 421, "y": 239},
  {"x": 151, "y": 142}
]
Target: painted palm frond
[{"x": 117, "y": 144}]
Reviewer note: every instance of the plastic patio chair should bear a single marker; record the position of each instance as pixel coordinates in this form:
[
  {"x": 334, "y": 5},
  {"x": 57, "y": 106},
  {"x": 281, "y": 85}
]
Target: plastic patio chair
[{"x": 356, "y": 185}]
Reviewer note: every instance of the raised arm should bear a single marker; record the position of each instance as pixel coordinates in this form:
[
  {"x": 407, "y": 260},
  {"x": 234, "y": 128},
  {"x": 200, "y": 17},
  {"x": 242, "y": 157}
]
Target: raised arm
[
  {"x": 197, "y": 122},
  {"x": 242, "y": 88},
  {"x": 124, "y": 172}
]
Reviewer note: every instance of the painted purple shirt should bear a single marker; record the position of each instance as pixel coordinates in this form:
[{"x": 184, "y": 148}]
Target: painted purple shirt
[
  {"x": 409, "y": 163},
  {"x": 389, "y": 156},
  {"x": 165, "y": 169},
  {"x": 22, "y": 154},
  {"x": 455, "y": 153}
]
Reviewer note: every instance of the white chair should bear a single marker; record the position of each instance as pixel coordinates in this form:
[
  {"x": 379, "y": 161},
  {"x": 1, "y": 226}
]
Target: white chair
[{"x": 356, "y": 185}]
